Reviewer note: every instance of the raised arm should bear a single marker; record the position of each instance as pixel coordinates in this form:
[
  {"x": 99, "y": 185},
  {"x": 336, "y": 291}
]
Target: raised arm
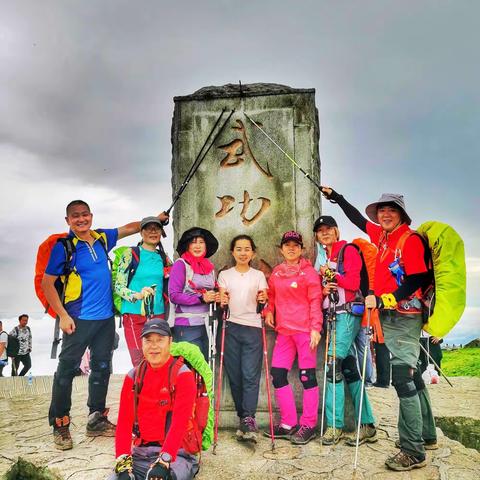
[
  {"x": 350, "y": 211},
  {"x": 134, "y": 227}
]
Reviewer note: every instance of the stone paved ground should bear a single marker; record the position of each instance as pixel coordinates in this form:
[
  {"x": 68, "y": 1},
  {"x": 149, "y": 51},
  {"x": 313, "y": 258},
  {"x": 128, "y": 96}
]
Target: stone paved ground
[{"x": 24, "y": 431}]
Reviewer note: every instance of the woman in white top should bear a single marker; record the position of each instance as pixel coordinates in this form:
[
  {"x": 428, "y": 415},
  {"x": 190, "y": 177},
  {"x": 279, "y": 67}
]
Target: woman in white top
[{"x": 242, "y": 287}]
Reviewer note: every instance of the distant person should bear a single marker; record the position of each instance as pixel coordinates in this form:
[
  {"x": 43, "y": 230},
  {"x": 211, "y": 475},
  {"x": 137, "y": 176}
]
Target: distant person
[
  {"x": 86, "y": 319},
  {"x": 139, "y": 269},
  {"x": 159, "y": 419},
  {"x": 433, "y": 346},
  {"x": 24, "y": 335},
  {"x": 3, "y": 349}
]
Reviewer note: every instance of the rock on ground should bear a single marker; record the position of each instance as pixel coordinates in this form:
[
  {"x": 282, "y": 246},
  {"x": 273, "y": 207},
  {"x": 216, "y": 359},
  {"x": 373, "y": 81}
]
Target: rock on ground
[{"x": 25, "y": 432}]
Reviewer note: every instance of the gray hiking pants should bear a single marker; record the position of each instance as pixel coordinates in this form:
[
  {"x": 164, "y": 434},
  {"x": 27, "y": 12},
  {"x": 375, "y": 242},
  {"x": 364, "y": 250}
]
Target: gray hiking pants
[{"x": 185, "y": 466}]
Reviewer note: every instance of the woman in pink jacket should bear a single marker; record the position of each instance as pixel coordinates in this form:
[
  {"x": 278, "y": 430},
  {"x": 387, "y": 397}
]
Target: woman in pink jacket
[{"x": 294, "y": 310}]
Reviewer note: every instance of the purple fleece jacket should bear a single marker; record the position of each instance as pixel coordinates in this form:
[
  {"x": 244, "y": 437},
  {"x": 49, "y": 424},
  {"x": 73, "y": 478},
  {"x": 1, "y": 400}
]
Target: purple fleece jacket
[{"x": 188, "y": 301}]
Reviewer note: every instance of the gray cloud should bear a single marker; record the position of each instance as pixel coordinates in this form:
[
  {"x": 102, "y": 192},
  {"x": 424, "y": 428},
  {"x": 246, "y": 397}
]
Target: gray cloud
[{"x": 87, "y": 100}]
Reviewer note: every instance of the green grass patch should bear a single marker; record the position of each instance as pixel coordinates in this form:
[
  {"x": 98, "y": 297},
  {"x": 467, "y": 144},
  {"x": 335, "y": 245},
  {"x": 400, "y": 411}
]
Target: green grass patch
[
  {"x": 24, "y": 470},
  {"x": 464, "y": 362}
]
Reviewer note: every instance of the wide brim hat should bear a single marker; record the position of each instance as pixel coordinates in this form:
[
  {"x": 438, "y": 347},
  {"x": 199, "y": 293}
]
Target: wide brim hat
[
  {"x": 391, "y": 198},
  {"x": 191, "y": 234}
]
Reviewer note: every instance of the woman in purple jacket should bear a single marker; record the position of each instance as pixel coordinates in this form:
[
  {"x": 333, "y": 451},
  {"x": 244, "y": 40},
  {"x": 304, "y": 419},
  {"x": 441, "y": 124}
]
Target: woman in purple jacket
[{"x": 192, "y": 287}]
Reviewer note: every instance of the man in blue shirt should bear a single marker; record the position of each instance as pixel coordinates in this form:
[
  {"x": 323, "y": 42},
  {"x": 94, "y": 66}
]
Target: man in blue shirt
[{"x": 86, "y": 319}]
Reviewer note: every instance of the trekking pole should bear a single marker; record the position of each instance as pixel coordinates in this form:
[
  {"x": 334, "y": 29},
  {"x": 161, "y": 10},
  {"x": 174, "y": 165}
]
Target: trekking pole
[
  {"x": 364, "y": 371},
  {"x": 306, "y": 174},
  {"x": 334, "y": 299},
  {"x": 433, "y": 361},
  {"x": 220, "y": 378},
  {"x": 325, "y": 366},
  {"x": 200, "y": 157},
  {"x": 260, "y": 307},
  {"x": 212, "y": 352}
]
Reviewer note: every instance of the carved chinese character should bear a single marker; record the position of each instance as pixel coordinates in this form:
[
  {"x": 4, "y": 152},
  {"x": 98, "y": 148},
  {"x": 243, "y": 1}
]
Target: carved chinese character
[
  {"x": 237, "y": 149},
  {"x": 246, "y": 202},
  {"x": 226, "y": 200}
]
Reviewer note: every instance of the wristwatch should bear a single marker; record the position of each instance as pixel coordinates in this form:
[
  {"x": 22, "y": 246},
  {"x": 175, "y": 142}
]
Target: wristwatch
[{"x": 165, "y": 457}]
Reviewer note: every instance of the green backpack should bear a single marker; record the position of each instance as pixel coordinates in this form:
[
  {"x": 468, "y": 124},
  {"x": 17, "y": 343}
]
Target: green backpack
[
  {"x": 132, "y": 267},
  {"x": 447, "y": 299}
]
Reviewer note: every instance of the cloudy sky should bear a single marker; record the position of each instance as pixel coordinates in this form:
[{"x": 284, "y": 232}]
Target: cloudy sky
[{"x": 86, "y": 103}]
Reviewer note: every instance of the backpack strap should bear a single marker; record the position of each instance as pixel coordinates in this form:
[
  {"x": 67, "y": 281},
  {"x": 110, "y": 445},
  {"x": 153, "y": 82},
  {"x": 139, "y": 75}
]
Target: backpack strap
[
  {"x": 138, "y": 378},
  {"x": 364, "y": 280},
  {"x": 132, "y": 268}
]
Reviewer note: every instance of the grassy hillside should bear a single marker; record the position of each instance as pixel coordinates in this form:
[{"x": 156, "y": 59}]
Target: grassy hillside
[{"x": 462, "y": 363}]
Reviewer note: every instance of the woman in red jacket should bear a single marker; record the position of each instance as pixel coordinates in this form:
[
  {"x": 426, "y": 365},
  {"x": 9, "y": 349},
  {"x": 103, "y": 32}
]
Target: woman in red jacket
[{"x": 295, "y": 299}]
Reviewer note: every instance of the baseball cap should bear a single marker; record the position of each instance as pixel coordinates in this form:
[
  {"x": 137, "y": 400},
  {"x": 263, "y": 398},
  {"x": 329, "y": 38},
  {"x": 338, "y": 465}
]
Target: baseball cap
[
  {"x": 293, "y": 237},
  {"x": 145, "y": 221},
  {"x": 324, "y": 220},
  {"x": 156, "y": 325}
]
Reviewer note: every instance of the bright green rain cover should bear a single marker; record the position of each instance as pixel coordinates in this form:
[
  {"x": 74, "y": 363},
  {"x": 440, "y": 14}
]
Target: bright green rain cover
[
  {"x": 192, "y": 354},
  {"x": 448, "y": 258},
  {"x": 117, "y": 299}
]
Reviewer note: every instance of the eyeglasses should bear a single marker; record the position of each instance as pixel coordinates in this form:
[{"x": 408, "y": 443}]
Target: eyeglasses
[{"x": 152, "y": 228}]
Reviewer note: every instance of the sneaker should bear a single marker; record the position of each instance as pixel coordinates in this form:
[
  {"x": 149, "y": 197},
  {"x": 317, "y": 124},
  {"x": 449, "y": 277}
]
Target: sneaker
[
  {"x": 332, "y": 436},
  {"x": 403, "y": 461},
  {"x": 61, "y": 433},
  {"x": 247, "y": 430},
  {"x": 280, "y": 432},
  {"x": 99, "y": 425},
  {"x": 303, "y": 435},
  {"x": 427, "y": 444},
  {"x": 368, "y": 433}
]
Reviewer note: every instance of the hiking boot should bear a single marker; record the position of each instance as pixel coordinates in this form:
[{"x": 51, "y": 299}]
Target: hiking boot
[
  {"x": 247, "y": 430},
  {"x": 403, "y": 461},
  {"x": 281, "y": 432},
  {"x": 368, "y": 433},
  {"x": 332, "y": 436},
  {"x": 427, "y": 444},
  {"x": 61, "y": 433},
  {"x": 99, "y": 425},
  {"x": 303, "y": 435}
]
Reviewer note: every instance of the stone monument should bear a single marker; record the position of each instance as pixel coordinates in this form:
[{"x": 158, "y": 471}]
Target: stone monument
[{"x": 245, "y": 183}]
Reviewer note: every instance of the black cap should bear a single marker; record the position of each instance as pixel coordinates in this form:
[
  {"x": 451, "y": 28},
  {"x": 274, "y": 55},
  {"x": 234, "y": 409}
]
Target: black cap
[
  {"x": 157, "y": 325},
  {"x": 324, "y": 220}
]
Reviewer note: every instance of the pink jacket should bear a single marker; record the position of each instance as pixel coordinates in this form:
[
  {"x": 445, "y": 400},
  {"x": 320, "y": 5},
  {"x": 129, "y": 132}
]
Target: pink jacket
[{"x": 295, "y": 296}]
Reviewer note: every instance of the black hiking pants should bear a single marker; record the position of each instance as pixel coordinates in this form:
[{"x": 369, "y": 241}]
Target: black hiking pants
[
  {"x": 25, "y": 360},
  {"x": 98, "y": 336},
  {"x": 382, "y": 364},
  {"x": 243, "y": 363}
]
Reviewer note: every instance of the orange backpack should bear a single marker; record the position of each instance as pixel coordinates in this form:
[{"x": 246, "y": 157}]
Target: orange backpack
[{"x": 43, "y": 256}]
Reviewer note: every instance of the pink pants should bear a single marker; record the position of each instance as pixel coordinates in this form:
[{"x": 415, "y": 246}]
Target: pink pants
[
  {"x": 286, "y": 348},
  {"x": 132, "y": 326}
]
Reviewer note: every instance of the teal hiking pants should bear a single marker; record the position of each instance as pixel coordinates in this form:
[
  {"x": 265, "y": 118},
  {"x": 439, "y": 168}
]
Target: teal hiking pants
[{"x": 347, "y": 327}]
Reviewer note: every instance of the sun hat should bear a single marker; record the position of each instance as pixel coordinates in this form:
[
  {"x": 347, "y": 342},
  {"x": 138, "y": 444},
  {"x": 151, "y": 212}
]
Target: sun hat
[
  {"x": 191, "y": 234},
  {"x": 394, "y": 199}
]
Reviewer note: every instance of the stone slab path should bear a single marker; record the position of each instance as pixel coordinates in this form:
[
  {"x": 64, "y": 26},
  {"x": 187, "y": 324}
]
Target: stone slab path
[{"x": 24, "y": 432}]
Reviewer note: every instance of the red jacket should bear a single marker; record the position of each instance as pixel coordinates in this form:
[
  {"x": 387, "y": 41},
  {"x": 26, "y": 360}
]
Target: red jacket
[
  {"x": 295, "y": 296},
  {"x": 153, "y": 406},
  {"x": 412, "y": 255}
]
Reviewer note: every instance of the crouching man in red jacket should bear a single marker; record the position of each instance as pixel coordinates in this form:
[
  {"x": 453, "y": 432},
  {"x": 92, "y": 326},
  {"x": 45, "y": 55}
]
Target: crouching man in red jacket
[{"x": 157, "y": 419}]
